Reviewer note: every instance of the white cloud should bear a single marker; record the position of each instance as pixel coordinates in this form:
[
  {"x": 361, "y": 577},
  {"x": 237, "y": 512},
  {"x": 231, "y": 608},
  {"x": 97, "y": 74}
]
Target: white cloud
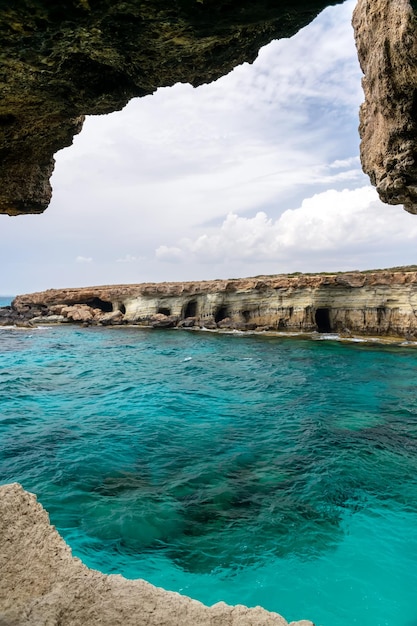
[
  {"x": 228, "y": 146},
  {"x": 128, "y": 258},
  {"x": 328, "y": 222},
  {"x": 346, "y": 163},
  {"x": 83, "y": 259},
  {"x": 213, "y": 174}
]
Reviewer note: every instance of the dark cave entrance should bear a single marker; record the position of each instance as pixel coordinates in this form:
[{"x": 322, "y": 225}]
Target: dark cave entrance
[
  {"x": 190, "y": 309},
  {"x": 164, "y": 311},
  {"x": 246, "y": 316},
  {"x": 380, "y": 311},
  {"x": 221, "y": 314},
  {"x": 122, "y": 308},
  {"x": 322, "y": 319},
  {"x": 98, "y": 303}
]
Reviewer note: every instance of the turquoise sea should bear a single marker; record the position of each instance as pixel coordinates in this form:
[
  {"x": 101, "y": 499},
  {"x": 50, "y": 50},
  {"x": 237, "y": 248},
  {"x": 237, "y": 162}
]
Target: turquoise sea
[{"x": 250, "y": 469}]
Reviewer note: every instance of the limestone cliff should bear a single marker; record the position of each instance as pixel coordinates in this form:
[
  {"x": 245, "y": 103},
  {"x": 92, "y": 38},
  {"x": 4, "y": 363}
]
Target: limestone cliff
[
  {"x": 41, "y": 583},
  {"x": 63, "y": 60},
  {"x": 386, "y": 39},
  {"x": 366, "y": 303}
]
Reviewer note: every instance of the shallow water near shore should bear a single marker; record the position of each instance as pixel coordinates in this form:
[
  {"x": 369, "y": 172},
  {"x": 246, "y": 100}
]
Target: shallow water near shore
[{"x": 255, "y": 470}]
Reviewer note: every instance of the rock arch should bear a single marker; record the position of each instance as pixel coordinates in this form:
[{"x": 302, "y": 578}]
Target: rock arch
[
  {"x": 190, "y": 309},
  {"x": 90, "y": 58},
  {"x": 98, "y": 303},
  {"x": 221, "y": 313}
]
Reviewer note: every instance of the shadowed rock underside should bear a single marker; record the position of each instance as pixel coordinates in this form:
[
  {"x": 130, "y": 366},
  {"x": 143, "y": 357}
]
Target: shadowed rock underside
[{"x": 63, "y": 60}]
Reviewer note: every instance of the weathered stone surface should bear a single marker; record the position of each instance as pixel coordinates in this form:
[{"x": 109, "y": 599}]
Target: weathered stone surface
[
  {"x": 63, "y": 60},
  {"x": 48, "y": 319},
  {"x": 41, "y": 583},
  {"x": 386, "y": 39},
  {"x": 367, "y": 303},
  {"x": 78, "y": 313},
  {"x": 159, "y": 320},
  {"x": 106, "y": 319},
  {"x": 188, "y": 322}
]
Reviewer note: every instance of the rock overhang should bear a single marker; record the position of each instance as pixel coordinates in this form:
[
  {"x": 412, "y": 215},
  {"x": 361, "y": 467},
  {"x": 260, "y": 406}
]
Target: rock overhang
[{"x": 62, "y": 61}]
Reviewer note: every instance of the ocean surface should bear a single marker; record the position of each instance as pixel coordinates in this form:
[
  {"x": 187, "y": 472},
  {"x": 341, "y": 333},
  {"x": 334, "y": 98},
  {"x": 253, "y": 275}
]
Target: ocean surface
[{"x": 256, "y": 470}]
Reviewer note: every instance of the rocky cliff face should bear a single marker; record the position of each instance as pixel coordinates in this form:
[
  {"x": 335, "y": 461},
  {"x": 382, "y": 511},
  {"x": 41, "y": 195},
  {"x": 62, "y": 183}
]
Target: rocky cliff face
[
  {"x": 63, "y": 60},
  {"x": 365, "y": 303},
  {"x": 386, "y": 39},
  {"x": 41, "y": 583}
]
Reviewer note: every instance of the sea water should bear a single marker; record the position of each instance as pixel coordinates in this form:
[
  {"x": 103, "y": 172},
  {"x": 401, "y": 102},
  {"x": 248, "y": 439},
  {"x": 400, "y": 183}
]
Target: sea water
[
  {"x": 5, "y": 300},
  {"x": 279, "y": 472}
]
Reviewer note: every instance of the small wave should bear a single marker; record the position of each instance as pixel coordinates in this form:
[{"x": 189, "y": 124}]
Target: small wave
[
  {"x": 326, "y": 337},
  {"x": 20, "y": 328},
  {"x": 408, "y": 343}
]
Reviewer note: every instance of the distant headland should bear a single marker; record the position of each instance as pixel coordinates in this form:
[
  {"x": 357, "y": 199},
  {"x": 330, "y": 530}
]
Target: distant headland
[{"x": 373, "y": 303}]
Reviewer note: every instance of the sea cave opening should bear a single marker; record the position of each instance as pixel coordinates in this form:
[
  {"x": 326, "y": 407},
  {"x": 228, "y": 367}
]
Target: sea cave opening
[
  {"x": 98, "y": 303},
  {"x": 190, "y": 309},
  {"x": 381, "y": 312},
  {"x": 122, "y": 308},
  {"x": 164, "y": 311},
  {"x": 322, "y": 319},
  {"x": 246, "y": 316},
  {"x": 221, "y": 314}
]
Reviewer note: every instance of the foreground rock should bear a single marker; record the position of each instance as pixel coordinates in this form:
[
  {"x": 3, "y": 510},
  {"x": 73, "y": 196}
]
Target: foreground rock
[
  {"x": 386, "y": 39},
  {"x": 62, "y": 61},
  {"x": 41, "y": 583},
  {"x": 366, "y": 303}
]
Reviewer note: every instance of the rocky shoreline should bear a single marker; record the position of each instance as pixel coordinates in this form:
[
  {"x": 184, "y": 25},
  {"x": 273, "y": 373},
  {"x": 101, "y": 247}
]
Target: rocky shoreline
[
  {"x": 42, "y": 583},
  {"x": 379, "y": 303}
]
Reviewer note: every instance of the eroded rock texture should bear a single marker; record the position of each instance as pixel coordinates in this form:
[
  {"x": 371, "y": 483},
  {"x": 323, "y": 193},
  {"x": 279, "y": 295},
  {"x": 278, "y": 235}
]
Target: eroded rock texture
[
  {"x": 63, "y": 60},
  {"x": 380, "y": 303},
  {"x": 41, "y": 583},
  {"x": 386, "y": 39}
]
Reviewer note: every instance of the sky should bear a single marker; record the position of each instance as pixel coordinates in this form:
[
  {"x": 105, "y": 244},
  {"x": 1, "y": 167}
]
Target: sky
[{"x": 256, "y": 173}]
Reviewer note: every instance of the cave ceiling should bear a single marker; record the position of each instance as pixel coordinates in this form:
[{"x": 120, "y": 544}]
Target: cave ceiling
[{"x": 61, "y": 61}]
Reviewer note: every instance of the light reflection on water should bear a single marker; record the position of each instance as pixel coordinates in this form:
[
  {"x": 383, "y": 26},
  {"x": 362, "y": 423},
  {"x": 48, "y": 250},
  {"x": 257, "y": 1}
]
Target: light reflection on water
[{"x": 271, "y": 471}]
